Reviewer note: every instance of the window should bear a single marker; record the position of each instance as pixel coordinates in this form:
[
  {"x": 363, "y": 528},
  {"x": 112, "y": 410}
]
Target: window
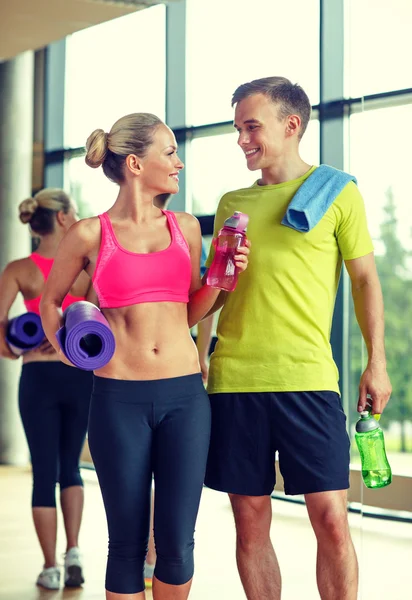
[
  {"x": 379, "y": 157},
  {"x": 89, "y": 188},
  {"x": 229, "y": 43},
  {"x": 109, "y": 75},
  {"x": 216, "y": 166},
  {"x": 378, "y": 54}
]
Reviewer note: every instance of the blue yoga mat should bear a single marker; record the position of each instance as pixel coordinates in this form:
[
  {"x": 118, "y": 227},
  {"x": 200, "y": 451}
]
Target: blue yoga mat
[
  {"x": 86, "y": 338},
  {"x": 24, "y": 333}
]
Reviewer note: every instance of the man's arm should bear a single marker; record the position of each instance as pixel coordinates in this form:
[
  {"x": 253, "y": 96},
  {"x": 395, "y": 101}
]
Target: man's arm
[
  {"x": 203, "y": 339},
  {"x": 368, "y": 302}
]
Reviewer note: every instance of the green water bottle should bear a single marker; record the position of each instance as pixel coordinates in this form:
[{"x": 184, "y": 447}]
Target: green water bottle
[{"x": 376, "y": 472}]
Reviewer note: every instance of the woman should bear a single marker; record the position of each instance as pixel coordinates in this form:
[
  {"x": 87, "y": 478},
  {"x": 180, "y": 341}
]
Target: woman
[
  {"x": 53, "y": 398},
  {"x": 149, "y": 411}
]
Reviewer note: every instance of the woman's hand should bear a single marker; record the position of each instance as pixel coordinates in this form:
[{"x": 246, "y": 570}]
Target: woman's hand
[
  {"x": 242, "y": 258},
  {"x": 5, "y": 351},
  {"x": 45, "y": 348},
  {"x": 63, "y": 358}
]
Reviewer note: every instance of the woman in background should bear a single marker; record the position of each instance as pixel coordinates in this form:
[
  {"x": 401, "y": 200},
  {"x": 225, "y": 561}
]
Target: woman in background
[{"x": 53, "y": 398}]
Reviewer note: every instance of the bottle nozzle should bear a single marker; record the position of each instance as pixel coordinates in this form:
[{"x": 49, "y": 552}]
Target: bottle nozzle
[{"x": 238, "y": 221}]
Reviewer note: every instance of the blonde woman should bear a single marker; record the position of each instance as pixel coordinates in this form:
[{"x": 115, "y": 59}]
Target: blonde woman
[
  {"x": 53, "y": 398},
  {"x": 149, "y": 411}
]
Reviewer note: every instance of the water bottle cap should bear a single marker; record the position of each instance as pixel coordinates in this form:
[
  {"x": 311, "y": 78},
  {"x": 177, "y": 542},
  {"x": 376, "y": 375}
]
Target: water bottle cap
[
  {"x": 366, "y": 422},
  {"x": 237, "y": 221}
]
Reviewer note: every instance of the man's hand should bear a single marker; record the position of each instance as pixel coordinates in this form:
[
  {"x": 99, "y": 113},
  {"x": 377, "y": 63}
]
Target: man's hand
[
  {"x": 204, "y": 368},
  {"x": 374, "y": 383}
]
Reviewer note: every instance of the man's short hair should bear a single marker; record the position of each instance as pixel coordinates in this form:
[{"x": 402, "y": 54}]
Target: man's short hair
[{"x": 291, "y": 98}]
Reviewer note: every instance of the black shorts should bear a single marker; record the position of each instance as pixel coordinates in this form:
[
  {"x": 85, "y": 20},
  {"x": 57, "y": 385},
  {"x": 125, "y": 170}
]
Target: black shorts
[{"x": 308, "y": 429}]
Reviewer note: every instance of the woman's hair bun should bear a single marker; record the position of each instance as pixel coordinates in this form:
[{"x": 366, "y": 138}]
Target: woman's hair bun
[
  {"x": 27, "y": 208},
  {"x": 96, "y": 148}
]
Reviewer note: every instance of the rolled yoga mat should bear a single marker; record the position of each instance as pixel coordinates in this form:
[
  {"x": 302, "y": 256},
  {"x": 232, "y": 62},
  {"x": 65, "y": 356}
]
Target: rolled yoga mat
[
  {"x": 24, "y": 333},
  {"x": 86, "y": 338}
]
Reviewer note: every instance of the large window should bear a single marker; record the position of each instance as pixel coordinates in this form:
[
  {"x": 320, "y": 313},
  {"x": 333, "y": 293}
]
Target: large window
[
  {"x": 380, "y": 159},
  {"x": 379, "y": 45},
  {"x": 231, "y": 42},
  {"x": 112, "y": 70}
]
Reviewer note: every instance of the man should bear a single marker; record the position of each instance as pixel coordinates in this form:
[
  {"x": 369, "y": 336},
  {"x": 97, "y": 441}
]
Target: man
[{"x": 273, "y": 383}]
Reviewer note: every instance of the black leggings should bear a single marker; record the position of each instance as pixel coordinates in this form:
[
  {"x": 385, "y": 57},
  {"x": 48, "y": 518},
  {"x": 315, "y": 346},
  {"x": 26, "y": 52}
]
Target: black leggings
[
  {"x": 140, "y": 428},
  {"x": 54, "y": 407}
]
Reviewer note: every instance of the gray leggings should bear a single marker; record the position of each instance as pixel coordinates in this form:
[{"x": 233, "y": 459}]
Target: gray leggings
[{"x": 140, "y": 428}]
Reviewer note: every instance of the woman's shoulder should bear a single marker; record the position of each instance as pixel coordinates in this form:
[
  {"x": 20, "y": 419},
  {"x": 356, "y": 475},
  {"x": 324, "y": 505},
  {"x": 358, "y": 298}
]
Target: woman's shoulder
[
  {"x": 86, "y": 229},
  {"x": 190, "y": 227},
  {"x": 20, "y": 271},
  {"x": 20, "y": 265},
  {"x": 187, "y": 220}
]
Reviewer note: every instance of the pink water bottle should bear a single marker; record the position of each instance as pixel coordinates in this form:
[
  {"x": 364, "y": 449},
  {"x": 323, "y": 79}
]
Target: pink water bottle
[{"x": 223, "y": 273}]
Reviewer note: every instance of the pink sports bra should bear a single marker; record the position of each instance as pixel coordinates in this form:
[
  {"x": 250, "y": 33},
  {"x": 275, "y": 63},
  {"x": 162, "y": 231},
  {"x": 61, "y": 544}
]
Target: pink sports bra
[
  {"x": 123, "y": 278},
  {"x": 45, "y": 265}
]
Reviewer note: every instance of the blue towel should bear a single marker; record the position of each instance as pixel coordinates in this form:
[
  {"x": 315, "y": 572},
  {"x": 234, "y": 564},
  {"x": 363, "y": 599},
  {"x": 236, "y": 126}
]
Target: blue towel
[{"x": 314, "y": 197}]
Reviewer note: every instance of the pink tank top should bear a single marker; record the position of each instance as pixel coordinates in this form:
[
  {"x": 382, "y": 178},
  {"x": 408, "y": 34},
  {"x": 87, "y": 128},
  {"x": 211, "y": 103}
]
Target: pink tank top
[
  {"x": 123, "y": 278},
  {"x": 45, "y": 265}
]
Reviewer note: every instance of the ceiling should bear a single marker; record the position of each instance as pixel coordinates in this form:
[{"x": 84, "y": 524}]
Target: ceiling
[{"x": 32, "y": 24}]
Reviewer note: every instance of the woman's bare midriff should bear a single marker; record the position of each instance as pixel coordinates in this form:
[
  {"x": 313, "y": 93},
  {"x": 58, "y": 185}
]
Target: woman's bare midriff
[
  {"x": 37, "y": 356},
  {"x": 153, "y": 341}
]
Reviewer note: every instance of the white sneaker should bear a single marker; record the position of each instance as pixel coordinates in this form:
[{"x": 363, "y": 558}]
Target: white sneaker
[
  {"x": 49, "y": 578},
  {"x": 73, "y": 572}
]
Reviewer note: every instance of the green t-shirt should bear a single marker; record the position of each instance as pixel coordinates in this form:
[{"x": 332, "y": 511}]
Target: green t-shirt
[{"x": 274, "y": 329}]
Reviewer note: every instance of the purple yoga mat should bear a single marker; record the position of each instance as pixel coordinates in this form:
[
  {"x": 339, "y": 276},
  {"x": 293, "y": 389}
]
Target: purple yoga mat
[
  {"x": 86, "y": 338},
  {"x": 24, "y": 333}
]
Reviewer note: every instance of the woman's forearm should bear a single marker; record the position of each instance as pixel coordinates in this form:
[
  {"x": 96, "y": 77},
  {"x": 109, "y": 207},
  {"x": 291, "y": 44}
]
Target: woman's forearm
[
  {"x": 52, "y": 320},
  {"x": 200, "y": 303}
]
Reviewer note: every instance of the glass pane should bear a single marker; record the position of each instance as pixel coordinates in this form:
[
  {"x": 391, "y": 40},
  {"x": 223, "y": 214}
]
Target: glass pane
[
  {"x": 384, "y": 180},
  {"x": 217, "y": 165},
  {"x": 107, "y": 76},
  {"x": 229, "y": 44},
  {"x": 89, "y": 188},
  {"x": 376, "y": 53}
]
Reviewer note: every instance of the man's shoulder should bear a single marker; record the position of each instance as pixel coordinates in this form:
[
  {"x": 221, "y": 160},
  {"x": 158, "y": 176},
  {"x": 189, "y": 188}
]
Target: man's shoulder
[
  {"x": 228, "y": 199},
  {"x": 247, "y": 190},
  {"x": 349, "y": 198}
]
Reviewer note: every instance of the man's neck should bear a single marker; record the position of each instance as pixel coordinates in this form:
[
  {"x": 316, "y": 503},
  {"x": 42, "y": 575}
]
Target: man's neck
[{"x": 284, "y": 171}]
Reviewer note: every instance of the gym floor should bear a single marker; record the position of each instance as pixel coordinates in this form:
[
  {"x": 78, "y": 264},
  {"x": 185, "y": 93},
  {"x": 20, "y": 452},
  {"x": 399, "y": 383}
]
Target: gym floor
[{"x": 384, "y": 549}]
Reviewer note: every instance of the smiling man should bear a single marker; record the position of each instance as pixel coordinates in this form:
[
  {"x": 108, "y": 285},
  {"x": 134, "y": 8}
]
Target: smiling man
[{"x": 273, "y": 383}]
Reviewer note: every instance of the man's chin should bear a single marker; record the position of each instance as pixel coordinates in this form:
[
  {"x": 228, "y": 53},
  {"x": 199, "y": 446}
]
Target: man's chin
[{"x": 254, "y": 167}]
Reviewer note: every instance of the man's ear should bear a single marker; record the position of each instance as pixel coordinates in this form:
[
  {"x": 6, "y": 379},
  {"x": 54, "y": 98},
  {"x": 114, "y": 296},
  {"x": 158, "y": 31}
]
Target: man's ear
[
  {"x": 293, "y": 125},
  {"x": 134, "y": 164}
]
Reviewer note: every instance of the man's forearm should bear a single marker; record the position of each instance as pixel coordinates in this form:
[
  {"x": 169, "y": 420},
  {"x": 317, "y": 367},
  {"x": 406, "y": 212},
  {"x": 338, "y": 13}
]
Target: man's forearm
[
  {"x": 368, "y": 302},
  {"x": 204, "y": 337}
]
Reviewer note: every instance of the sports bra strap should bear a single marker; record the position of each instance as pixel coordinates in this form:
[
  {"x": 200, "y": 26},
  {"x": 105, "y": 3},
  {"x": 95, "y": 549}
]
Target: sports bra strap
[{"x": 44, "y": 264}]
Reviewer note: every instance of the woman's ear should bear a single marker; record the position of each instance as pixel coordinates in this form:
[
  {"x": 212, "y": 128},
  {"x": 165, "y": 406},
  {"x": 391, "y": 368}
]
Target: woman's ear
[
  {"x": 60, "y": 218},
  {"x": 134, "y": 164}
]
